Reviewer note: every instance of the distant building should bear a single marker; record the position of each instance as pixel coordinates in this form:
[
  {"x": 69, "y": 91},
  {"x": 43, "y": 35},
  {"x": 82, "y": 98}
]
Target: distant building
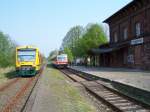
[{"x": 129, "y": 37}]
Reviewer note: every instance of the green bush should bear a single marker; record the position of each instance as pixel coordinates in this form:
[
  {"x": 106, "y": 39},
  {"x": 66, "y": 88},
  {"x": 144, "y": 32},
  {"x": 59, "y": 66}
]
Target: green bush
[{"x": 7, "y": 51}]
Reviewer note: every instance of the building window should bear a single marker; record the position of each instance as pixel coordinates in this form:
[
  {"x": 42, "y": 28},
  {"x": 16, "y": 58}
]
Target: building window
[
  {"x": 115, "y": 37},
  {"x": 138, "y": 29},
  {"x": 130, "y": 57},
  {"x": 125, "y": 33}
]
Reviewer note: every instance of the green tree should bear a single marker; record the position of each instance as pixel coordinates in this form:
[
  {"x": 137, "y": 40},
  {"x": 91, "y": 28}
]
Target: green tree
[
  {"x": 73, "y": 35},
  {"x": 7, "y": 51},
  {"x": 79, "y": 44},
  {"x": 69, "y": 53},
  {"x": 93, "y": 37}
]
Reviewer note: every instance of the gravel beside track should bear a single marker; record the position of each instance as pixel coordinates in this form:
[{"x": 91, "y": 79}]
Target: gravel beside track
[
  {"x": 10, "y": 92},
  {"x": 8, "y": 84},
  {"x": 14, "y": 94},
  {"x": 12, "y": 103}
]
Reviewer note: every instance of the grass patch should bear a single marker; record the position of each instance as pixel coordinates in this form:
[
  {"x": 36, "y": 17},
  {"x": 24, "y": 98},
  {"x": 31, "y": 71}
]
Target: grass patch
[{"x": 67, "y": 96}]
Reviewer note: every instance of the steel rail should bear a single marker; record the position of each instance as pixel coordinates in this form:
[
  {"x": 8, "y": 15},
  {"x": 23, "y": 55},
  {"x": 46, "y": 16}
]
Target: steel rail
[{"x": 111, "y": 97}]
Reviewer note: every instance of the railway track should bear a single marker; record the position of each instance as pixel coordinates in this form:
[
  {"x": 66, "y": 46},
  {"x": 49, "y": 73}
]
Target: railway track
[
  {"x": 14, "y": 95},
  {"x": 114, "y": 99}
]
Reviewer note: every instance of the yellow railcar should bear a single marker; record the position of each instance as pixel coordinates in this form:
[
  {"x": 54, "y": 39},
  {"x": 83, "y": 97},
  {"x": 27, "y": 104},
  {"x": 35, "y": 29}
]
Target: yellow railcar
[{"x": 28, "y": 60}]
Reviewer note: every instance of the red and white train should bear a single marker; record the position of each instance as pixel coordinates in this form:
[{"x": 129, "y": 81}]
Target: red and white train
[{"x": 61, "y": 61}]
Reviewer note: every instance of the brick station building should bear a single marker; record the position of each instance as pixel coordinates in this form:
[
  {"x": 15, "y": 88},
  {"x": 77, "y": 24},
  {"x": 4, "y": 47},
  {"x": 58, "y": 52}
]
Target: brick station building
[{"x": 129, "y": 44}]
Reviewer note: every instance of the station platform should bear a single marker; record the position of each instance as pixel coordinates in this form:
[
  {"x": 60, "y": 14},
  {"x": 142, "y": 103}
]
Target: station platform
[{"x": 132, "y": 77}]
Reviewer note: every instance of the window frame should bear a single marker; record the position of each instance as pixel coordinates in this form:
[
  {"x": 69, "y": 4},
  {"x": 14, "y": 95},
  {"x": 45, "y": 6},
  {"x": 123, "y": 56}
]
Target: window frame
[
  {"x": 138, "y": 29},
  {"x": 125, "y": 33},
  {"x": 115, "y": 35}
]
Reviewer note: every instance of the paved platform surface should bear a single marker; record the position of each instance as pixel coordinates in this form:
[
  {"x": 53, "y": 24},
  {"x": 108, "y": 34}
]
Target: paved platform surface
[{"x": 132, "y": 77}]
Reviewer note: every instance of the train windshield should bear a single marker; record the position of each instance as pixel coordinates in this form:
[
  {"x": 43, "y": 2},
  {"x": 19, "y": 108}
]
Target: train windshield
[
  {"x": 61, "y": 58},
  {"x": 26, "y": 55}
]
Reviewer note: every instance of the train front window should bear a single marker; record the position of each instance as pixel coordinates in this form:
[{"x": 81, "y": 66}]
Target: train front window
[
  {"x": 60, "y": 58},
  {"x": 26, "y": 55}
]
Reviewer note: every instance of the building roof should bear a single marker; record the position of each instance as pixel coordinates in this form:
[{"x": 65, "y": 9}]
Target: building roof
[
  {"x": 109, "y": 47},
  {"x": 122, "y": 9}
]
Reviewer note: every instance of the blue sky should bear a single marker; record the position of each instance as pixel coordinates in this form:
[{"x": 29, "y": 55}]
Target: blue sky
[{"x": 44, "y": 23}]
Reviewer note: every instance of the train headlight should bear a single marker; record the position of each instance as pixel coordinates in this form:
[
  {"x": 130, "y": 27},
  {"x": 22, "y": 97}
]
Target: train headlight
[
  {"x": 18, "y": 63},
  {"x": 34, "y": 64}
]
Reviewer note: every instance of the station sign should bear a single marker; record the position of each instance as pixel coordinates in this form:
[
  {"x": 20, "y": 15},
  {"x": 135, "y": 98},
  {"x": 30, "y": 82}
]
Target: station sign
[{"x": 137, "y": 41}]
